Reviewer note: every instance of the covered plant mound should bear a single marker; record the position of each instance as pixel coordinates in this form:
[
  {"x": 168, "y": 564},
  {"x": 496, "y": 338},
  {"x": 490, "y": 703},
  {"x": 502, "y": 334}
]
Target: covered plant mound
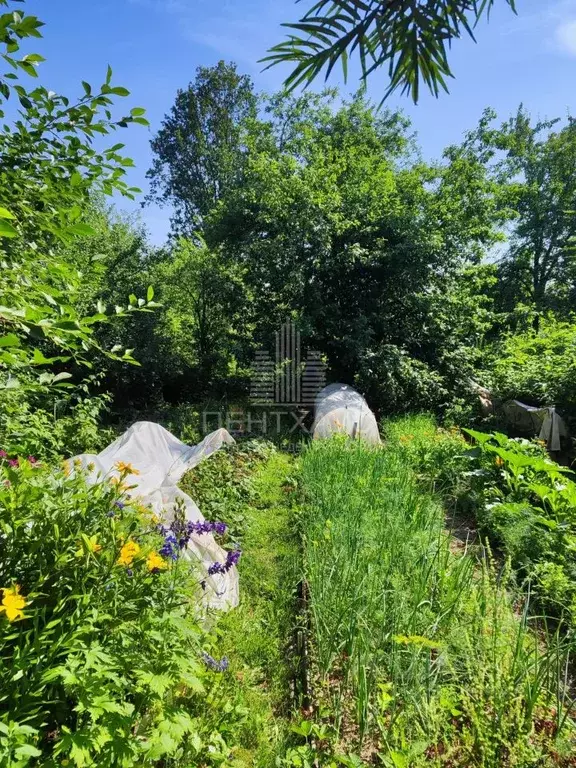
[{"x": 339, "y": 409}]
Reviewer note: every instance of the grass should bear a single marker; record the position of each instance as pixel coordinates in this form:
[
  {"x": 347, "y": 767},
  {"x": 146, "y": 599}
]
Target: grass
[
  {"x": 249, "y": 486},
  {"x": 420, "y": 657},
  {"x": 418, "y": 654}
]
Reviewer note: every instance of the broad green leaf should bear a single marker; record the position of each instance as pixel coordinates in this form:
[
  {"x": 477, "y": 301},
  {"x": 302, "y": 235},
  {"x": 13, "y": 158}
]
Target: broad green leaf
[
  {"x": 10, "y": 340},
  {"x": 7, "y": 230}
]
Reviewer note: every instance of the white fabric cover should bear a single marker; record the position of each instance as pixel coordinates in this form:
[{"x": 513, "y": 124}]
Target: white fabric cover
[
  {"x": 161, "y": 460},
  {"x": 340, "y": 409},
  {"x": 544, "y": 422}
]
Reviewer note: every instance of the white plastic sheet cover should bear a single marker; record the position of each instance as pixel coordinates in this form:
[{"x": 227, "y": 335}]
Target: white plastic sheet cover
[
  {"x": 162, "y": 459},
  {"x": 339, "y": 409},
  {"x": 544, "y": 422}
]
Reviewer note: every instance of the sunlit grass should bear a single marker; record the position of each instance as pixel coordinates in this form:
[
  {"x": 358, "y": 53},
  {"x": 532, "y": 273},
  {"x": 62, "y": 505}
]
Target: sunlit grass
[{"x": 418, "y": 649}]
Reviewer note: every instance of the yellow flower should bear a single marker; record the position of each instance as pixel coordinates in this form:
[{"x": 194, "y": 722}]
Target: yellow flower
[
  {"x": 13, "y": 603},
  {"x": 155, "y": 562},
  {"x": 121, "y": 486},
  {"x": 128, "y": 553},
  {"x": 121, "y": 466},
  {"x": 155, "y": 519},
  {"x": 66, "y": 468},
  {"x": 91, "y": 545}
]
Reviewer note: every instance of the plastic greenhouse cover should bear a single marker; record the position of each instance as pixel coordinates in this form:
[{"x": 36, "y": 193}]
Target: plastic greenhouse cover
[
  {"x": 162, "y": 459},
  {"x": 340, "y": 409}
]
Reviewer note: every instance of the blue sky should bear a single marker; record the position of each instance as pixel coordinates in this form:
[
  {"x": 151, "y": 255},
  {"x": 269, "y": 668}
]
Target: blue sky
[{"x": 154, "y": 47}]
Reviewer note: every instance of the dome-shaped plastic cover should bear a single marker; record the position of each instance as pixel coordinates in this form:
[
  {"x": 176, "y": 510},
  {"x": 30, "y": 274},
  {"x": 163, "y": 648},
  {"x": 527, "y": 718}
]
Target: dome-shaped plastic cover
[{"x": 339, "y": 409}]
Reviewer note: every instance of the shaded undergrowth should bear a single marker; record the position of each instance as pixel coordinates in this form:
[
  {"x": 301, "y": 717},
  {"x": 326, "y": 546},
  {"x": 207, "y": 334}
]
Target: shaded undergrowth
[{"x": 249, "y": 487}]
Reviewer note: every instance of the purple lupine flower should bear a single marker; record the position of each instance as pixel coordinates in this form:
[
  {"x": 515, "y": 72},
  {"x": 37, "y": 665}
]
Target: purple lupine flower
[
  {"x": 13, "y": 462},
  {"x": 232, "y": 559},
  {"x": 32, "y": 459},
  {"x": 169, "y": 548},
  {"x": 215, "y": 568},
  {"x": 184, "y": 530},
  {"x": 3, "y": 455},
  {"x": 110, "y": 513},
  {"x": 212, "y": 663},
  {"x": 129, "y": 573},
  {"x": 119, "y": 504}
]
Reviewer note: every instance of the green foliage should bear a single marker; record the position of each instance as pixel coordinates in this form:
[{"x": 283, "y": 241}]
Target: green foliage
[
  {"x": 419, "y": 656},
  {"x": 526, "y": 502},
  {"x": 410, "y": 38},
  {"x": 71, "y": 427},
  {"x": 336, "y": 198},
  {"x": 538, "y": 367},
  {"x": 49, "y": 166},
  {"x": 224, "y": 486},
  {"x": 102, "y": 665},
  {"x": 199, "y": 328},
  {"x": 531, "y": 165},
  {"x": 199, "y": 150},
  {"x": 434, "y": 453}
]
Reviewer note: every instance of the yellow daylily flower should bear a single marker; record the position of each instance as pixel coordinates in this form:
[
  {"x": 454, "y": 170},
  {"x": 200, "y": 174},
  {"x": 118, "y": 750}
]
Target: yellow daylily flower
[
  {"x": 155, "y": 562},
  {"x": 13, "y": 603},
  {"x": 91, "y": 545},
  {"x": 128, "y": 553},
  {"x": 122, "y": 466}
]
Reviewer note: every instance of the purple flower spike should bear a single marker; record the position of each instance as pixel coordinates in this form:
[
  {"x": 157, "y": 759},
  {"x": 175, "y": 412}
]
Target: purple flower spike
[
  {"x": 232, "y": 559},
  {"x": 3, "y": 455},
  {"x": 212, "y": 663}
]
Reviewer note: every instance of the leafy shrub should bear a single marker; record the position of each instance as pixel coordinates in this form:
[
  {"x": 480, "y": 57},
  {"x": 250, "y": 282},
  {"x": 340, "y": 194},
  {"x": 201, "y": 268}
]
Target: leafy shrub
[
  {"x": 395, "y": 382},
  {"x": 223, "y": 486},
  {"x": 539, "y": 368},
  {"x": 521, "y": 499},
  {"x": 72, "y": 426},
  {"x": 436, "y": 454},
  {"x": 100, "y": 643},
  {"x": 526, "y": 502}
]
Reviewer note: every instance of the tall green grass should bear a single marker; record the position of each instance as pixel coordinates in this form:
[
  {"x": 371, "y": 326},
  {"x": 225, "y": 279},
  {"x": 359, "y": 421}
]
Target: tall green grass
[{"x": 420, "y": 657}]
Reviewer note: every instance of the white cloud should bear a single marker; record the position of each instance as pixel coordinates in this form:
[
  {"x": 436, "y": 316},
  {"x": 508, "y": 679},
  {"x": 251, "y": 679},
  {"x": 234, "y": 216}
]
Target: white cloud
[{"x": 565, "y": 37}]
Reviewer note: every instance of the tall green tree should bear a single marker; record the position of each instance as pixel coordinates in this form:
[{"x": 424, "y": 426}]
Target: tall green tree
[
  {"x": 339, "y": 224},
  {"x": 408, "y": 37},
  {"x": 50, "y": 166},
  {"x": 532, "y": 165},
  {"x": 199, "y": 149}
]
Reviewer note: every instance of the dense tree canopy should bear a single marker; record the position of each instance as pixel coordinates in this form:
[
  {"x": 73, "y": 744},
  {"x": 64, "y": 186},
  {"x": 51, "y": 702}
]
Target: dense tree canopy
[{"x": 199, "y": 149}]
